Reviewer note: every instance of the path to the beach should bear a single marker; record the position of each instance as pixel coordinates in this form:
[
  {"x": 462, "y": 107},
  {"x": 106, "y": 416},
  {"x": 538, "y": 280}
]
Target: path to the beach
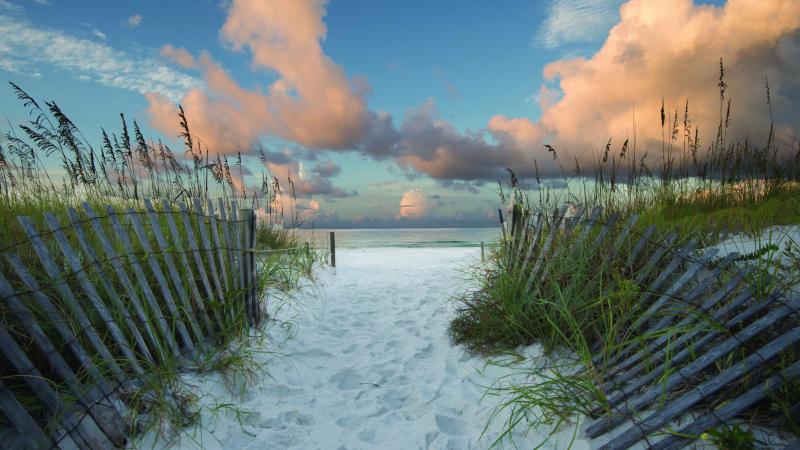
[{"x": 370, "y": 365}]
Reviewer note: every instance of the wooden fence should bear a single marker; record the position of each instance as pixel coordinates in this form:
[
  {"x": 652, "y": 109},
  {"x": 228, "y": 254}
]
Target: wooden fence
[
  {"x": 91, "y": 301},
  {"x": 706, "y": 334}
]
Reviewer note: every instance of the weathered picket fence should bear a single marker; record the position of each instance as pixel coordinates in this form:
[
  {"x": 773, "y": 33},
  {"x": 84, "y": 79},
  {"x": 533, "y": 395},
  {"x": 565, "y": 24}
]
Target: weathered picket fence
[
  {"x": 87, "y": 303},
  {"x": 695, "y": 311}
]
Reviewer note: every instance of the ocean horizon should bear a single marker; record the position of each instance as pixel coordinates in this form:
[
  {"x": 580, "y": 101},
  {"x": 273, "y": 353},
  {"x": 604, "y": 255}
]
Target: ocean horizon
[{"x": 408, "y": 237}]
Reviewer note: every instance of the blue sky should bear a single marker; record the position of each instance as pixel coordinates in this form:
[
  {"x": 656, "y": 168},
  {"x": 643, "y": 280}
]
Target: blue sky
[{"x": 464, "y": 78}]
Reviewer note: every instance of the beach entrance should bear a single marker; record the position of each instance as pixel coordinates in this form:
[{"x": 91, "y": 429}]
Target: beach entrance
[{"x": 369, "y": 364}]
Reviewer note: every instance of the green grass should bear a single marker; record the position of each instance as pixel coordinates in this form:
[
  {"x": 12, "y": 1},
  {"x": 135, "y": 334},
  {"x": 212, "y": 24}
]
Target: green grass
[
  {"x": 586, "y": 304},
  {"x": 47, "y": 165}
]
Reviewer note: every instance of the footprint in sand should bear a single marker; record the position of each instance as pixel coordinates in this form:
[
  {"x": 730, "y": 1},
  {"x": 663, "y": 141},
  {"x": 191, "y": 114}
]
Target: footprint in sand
[
  {"x": 450, "y": 425},
  {"x": 395, "y": 399},
  {"x": 346, "y": 379}
]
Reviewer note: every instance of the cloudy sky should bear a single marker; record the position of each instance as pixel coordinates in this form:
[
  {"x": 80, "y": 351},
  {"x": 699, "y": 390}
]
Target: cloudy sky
[{"x": 404, "y": 113}]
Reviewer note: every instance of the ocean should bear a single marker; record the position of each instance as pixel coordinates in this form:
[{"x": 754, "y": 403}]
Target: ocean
[{"x": 409, "y": 237}]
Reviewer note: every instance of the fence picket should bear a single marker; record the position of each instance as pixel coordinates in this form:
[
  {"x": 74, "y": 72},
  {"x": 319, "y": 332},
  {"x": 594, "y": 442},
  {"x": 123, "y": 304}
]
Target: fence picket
[
  {"x": 682, "y": 349},
  {"x": 540, "y": 259},
  {"x": 237, "y": 236},
  {"x": 589, "y": 224},
  {"x": 663, "y": 246},
  {"x": 88, "y": 289},
  {"x": 251, "y": 273},
  {"x": 155, "y": 269},
  {"x": 728, "y": 410},
  {"x": 212, "y": 217},
  {"x": 517, "y": 240},
  {"x": 205, "y": 245},
  {"x": 144, "y": 285},
  {"x": 94, "y": 261},
  {"x": 534, "y": 242},
  {"x": 673, "y": 290},
  {"x": 55, "y": 318},
  {"x": 702, "y": 362},
  {"x": 244, "y": 263},
  {"x": 227, "y": 235},
  {"x": 687, "y": 305},
  {"x": 174, "y": 275},
  {"x": 643, "y": 241},
  {"x": 105, "y": 416},
  {"x": 97, "y": 419},
  {"x": 115, "y": 260},
  {"x": 35, "y": 380},
  {"x": 177, "y": 242},
  {"x": 691, "y": 317},
  {"x": 67, "y": 295},
  {"x": 574, "y": 220},
  {"x": 686, "y": 401},
  {"x": 28, "y": 430}
]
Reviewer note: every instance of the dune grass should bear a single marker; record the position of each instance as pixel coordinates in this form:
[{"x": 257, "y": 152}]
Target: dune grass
[
  {"x": 582, "y": 311},
  {"x": 47, "y": 165}
]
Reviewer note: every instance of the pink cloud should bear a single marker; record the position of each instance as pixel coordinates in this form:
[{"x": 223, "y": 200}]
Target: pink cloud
[
  {"x": 179, "y": 55},
  {"x": 658, "y": 50},
  {"x": 670, "y": 50},
  {"x": 414, "y": 204},
  {"x": 312, "y": 102}
]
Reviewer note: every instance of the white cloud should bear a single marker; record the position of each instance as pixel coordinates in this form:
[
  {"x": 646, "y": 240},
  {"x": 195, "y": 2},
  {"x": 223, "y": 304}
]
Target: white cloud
[
  {"x": 24, "y": 47},
  {"x": 577, "y": 21},
  {"x": 42, "y": 2},
  {"x": 133, "y": 21},
  {"x": 8, "y": 6},
  {"x": 98, "y": 33}
]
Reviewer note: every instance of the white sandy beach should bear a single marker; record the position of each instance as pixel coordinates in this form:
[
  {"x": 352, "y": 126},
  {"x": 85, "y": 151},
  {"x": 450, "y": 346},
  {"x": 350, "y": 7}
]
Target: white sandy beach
[{"x": 370, "y": 365}]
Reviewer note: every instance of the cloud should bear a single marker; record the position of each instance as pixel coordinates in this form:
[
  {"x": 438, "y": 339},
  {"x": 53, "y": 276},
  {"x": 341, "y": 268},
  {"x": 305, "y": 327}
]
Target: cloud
[
  {"x": 98, "y": 34},
  {"x": 576, "y": 21},
  {"x": 24, "y": 47},
  {"x": 133, "y": 21},
  {"x": 584, "y": 101},
  {"x": 180, "y": 56},
  {"x": 517, "y": 133},
  {"x": 587, "y": 101},
  {"x": 434, "y": 147},
  {"x": 306, "y": 185},
  {"x": 8, "y": 6},
  {"x": 312, "y": 101},
  {"x": 327, "y": 169},
  {"x": 414, "y": 204},
  {"x": 383, "y": 184}
]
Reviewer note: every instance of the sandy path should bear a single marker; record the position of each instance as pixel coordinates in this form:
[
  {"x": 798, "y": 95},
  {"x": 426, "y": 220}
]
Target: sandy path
[{"x": 370, "y": 365}]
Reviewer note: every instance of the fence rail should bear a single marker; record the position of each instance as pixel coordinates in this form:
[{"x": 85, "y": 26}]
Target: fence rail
[
  {"x": 92, "y": 302},
  {"x": 695, "y": 311}
]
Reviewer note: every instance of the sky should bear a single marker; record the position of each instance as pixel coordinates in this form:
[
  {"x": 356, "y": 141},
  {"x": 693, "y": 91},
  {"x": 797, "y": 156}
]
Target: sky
[{"x": 405, "y": 114}]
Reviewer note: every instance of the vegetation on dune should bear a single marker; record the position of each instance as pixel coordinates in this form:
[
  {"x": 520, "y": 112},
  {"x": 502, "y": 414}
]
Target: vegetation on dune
[
  {"x": 48, "y": 165},
  {"x": 590, "y": 296}
]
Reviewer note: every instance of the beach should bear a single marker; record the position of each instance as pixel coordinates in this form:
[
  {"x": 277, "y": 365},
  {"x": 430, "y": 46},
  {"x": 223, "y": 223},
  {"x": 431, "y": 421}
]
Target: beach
[{"x": 368, "y": 364}]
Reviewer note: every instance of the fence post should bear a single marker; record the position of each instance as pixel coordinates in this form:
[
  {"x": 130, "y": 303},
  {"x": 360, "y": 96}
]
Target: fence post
[
  {"x": 333, "y": 249},
  {"x": 502, "y": 224},
  {"x": 483, "y": 257},
  {"x": 244, "y": 262},
  {"x": 252, "y": 255}
]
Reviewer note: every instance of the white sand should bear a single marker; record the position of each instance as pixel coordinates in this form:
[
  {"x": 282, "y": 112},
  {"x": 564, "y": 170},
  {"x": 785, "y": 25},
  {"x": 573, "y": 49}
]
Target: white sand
[
  {"x": 782, "y": 236},
  {"x": 370, "y": 366}
]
